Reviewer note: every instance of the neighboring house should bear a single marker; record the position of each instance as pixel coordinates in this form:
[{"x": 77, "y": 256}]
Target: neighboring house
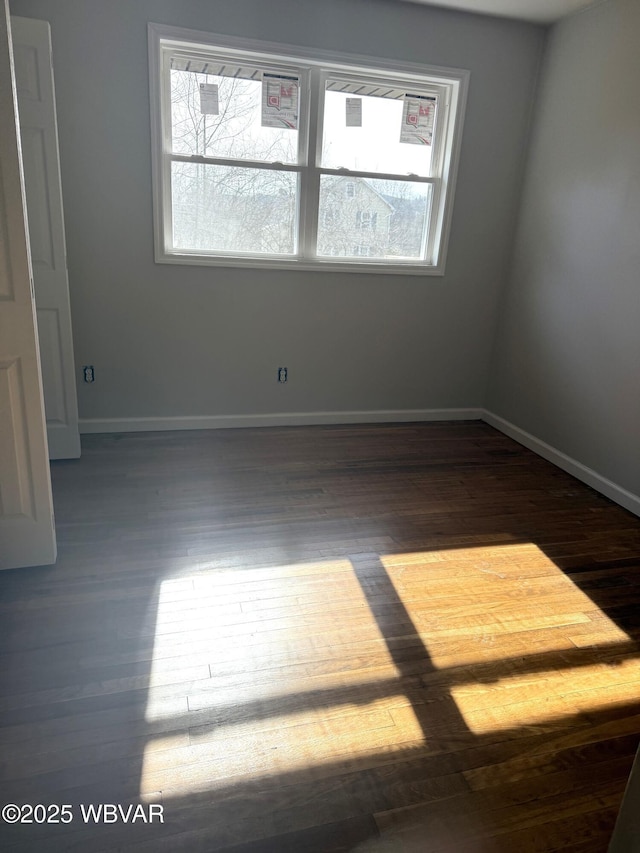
[{"x": 354, "y": 219}]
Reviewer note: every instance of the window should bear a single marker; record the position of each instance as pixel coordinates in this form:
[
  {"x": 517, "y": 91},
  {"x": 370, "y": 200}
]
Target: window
[
  {"x": 330, "y": 216},
  {"x": 366, "y": 219},
  {"x": 273, "y": 156}
]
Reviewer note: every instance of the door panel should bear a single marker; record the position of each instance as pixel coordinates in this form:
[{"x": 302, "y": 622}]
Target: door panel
[
  {"x": 36, "y": 179},
  {"x": 27, "y": 534},
  {"x": 52, "y": 370},
  {"x": 15, "y": 486},
  {"x": 38, "y": 130}
]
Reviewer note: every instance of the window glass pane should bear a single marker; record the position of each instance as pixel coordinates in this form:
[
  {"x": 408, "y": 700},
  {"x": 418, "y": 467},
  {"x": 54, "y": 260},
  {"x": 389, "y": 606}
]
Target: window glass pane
[
  {"x": 372, "y": 218},
  {"x": 236, "y": 130},
  {"x": 232, "y": 209},
  {"x": 374, "y": 147}
]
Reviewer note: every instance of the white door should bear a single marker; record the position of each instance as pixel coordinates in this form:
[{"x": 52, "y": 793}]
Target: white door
[
  {"x": 41, "y": 163},
  {"x": 27, "y": 534}
]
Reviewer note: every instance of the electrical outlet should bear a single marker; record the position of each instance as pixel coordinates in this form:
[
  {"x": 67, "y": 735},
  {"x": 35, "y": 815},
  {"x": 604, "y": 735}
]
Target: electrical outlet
[
  {"x": 89, "y": 373},
  {"x": 282, "y": 374}
]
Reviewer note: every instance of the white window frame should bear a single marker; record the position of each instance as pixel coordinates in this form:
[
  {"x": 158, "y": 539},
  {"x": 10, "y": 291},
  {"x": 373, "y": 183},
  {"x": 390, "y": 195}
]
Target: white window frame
[{"x": 450, "y": 85}]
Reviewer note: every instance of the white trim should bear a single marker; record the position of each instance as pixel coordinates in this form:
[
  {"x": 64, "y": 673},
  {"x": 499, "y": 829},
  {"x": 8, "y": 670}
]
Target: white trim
[
  {"x": 93, "y": 425},
  {"x": 601, "y": 484},
  {"x": 452, "y": 82},
  {"x": 316, "y": 265}
]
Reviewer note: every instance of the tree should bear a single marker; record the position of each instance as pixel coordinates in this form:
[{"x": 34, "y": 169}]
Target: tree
[{"x": 229, "y": 207}]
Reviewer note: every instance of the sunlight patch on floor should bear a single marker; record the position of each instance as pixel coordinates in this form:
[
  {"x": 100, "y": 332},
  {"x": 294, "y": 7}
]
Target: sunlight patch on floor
[
  {"x": 277, "y": 671},
  {"x": 282, "y": 669},
  {"x": 519, "y": 644},
  {"x": 475, "y": 605},
  {"x": 545, "y": 700},
  {"x": 302, "y": 743}
]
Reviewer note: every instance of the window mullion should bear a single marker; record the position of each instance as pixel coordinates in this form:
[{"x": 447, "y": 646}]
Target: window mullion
[{"x": 310, "y": 177}]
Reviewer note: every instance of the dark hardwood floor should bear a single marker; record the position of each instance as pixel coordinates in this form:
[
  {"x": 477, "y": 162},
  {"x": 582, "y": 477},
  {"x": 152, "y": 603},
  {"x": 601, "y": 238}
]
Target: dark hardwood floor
[{"x": 414, "y": 638}]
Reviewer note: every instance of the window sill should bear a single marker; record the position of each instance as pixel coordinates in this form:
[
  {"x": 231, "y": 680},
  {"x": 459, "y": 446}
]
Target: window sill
[{"x": 251, "y": 262}]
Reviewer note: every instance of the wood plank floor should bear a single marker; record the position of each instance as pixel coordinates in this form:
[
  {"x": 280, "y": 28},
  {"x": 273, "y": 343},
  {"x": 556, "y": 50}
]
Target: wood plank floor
[{"x": 416, "y": 637}]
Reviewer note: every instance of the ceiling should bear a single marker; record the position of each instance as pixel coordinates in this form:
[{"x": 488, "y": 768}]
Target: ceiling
[{"x": 539, "y": 11}]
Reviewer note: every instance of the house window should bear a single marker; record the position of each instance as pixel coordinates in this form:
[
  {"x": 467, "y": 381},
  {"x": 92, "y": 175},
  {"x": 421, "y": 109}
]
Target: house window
[
  {"x": 366, "y": 219},
  {"x": 254, "y": 163}
]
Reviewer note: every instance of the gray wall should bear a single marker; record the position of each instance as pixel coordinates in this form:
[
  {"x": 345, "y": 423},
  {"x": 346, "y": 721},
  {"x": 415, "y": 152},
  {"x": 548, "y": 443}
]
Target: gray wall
[
  {"x": 567, "y": 357},
  {"x": 170, "y": 340}
]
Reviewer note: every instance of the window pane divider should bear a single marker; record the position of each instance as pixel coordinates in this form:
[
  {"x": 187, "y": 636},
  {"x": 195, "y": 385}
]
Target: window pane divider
[
  {"x": 378, "y": 176},
  {"x": 227, "y": 161}
]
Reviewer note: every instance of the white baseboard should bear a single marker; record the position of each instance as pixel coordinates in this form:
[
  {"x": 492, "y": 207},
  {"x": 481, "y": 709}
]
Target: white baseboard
[
  {"x": 601, "y": 484},
  {"x": 587, "y": 475},
  {"x": 93, "y": 425}
]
